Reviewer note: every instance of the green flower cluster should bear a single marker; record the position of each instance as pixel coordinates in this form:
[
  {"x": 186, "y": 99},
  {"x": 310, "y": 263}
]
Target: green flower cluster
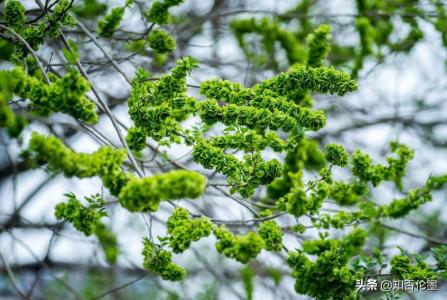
[
  {"x": 352, "y": 193},
  {"x": 363, "y": 168},
  {"x": 14, "y": 14},
  {"x": 108, "y": 241},
  {"x": 242, "y": 248},
  {"x": 415, "y": 198},
  {"x": 8, "y": 120},
  {"x": 244, "y": 175},
  {"x": 252, "y": 114},
  {"x": 58, "y": 17},
  {"x": 182, "y": 231},
  {"x": 159, "y": 261},
  {"x": 84, "y": 219},
  {"x": 304, "y": 155},
  {"x": 366, "y": 34},
  {"x": 249, "y": 140},
  {"x": 35, "y": 34},
  {"x": 87, "y": 220},
  {"x": 297, "y": 202},
  {"x": 65, "y": 94},
  {"x": 347, "y": 193},
  {"x": 270, "y": 100},
  {"x": 376, "y": 35},
  {"x": 158, "y": 13},
  {"x": 257, "y": 118},
  {"x": 339, "y": 220},
  {"x": 329, "y": 276},
  {"x": 337, "y": 155},
  {"x": 13, "y": 123},
  {"x": 156, "y": 108},
  {"x": 272, "y": 234},
  {"x": 319, "y": 45},
  {"x": 402, "y": 267},
  {"x": 270, "y": 32},
  {"x": 224, "y": 90},
  {"x": 90, "y": 9},
  {"x": 318, "y": 80},
  {"x": 135, "y": 194},
  {"x": 106, "y": 162},
  {"x": 111, "y": 22},
  {"x": 161, "y": 42},
  {"x": 136, "y": 139},
  {"x": 145, "y": 194}
]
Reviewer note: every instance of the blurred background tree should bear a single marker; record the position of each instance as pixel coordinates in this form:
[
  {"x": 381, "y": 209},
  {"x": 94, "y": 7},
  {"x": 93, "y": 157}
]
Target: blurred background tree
[{"x": 396, "y": 50}]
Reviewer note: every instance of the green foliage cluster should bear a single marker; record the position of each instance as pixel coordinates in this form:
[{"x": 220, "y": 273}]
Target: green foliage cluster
[
  {"x": 84, "y": 219},
  {"x": 157, "y": 108},
  {"x": 158, "y": 13},
  {"x": 377, "y": 23},
  {"x": 329, "y": 276},
  {"x": 34, "y": 34},
  {"x": 398, "y": 208},
  {"x": 145, "y": 194},
  {"x": 90, "y": 9},
  {"x": 319, "y": 45},
  {"x": 417, "y": 267},
  {"x": 319, "y": 80},
  {"x": 298, "y": 202},
  {"x": 247, "y": 275},
  {"x": 159, "y": 261},
  {"x": 249, "y": 140},
  {"x": 243, "y": 176},
  {"x": 161, "y": 42},
  {"x": 106, "y": 162},
  {"x": 355, "y": 192},
  {"x": 15, "y": 14},
  {"x": 402, "y": 267},
  {"x": 87, "y": 220},
  {"x": 272, "y": 234},
  {"x": 337, "y": 155},
  {"x": 348, "y": 193},
  {"x": 136, "y": 139},
  {"x": 275, "y": 113},
  {"x": 305, "y": 155},
  {"x": 242, "y": 248},
  {"x": 363, "y": 168},
  {"x": 135, "y": 194},
  {"x": 8, "y": 119},
  {"x": 270, "y": 33},
  {"x": 65, "y": 94},
  {"x": 110, "y": 23},
  {"x": 182, "y": 231}
]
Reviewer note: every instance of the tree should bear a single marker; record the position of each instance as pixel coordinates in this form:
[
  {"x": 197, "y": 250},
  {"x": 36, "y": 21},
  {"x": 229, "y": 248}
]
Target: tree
[{"x": 239, "y": 169}]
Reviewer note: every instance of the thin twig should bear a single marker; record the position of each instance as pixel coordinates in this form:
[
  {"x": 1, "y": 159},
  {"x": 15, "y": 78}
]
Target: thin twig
[
  {"x": 106, "y": 109},
  {"x": 96, "y": 42},
  {"x": 31, "y": 50},
  {"x": 11, "y": 276},
  {"x": 416, "y": 235},
  {"x": 114, "y": 290}
]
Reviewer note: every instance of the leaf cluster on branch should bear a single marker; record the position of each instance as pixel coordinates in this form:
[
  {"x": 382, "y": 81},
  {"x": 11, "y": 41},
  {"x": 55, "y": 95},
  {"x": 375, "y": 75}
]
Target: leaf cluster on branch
[{"x": 236, "y": 126}]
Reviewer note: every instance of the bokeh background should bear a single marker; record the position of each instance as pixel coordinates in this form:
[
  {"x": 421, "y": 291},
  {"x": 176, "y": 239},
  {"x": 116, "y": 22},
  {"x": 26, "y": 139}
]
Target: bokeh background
[{"x": 401, "y": 96}]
